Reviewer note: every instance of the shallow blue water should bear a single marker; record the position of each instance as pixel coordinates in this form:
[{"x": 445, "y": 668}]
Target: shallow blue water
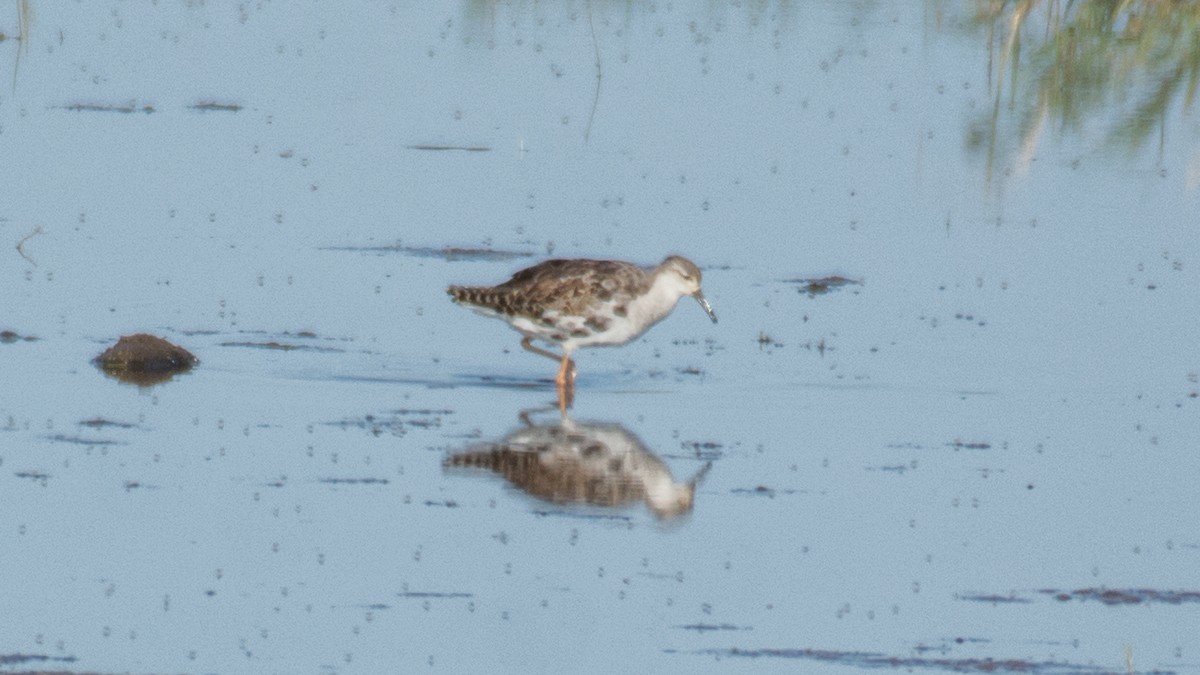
[{"x": 984, "y": 451}]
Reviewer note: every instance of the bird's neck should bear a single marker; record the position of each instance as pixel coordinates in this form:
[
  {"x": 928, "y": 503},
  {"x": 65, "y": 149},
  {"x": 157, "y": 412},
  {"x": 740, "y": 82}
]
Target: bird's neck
[{"x": 661, "y": 298}]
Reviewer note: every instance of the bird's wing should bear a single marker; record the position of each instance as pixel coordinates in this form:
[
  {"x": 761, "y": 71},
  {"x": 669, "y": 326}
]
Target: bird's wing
[{"x": 573, "y": 286}]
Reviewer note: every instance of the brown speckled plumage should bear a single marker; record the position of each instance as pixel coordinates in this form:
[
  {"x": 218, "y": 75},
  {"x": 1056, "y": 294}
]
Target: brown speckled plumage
[{"x": 571, "y": 287}]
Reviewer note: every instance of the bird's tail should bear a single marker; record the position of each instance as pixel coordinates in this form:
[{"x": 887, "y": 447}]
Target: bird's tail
[
  {"x": 469, "y": 295},
  {"x": 486, "y": 298}
]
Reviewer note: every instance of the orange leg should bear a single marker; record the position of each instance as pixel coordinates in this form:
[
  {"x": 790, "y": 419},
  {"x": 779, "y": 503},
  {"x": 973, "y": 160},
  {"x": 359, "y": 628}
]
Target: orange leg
[
  {"x": 527, "y": 345},
  {"x": 566, "y": 372},
  {"x": 565, "y": 379},
  {"x": 566, "y": 367},
  {"x": 566, "y": 397}
]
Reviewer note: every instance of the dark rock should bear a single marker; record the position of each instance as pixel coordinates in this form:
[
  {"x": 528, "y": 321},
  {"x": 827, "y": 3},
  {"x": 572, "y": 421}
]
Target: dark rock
[{"x": 145, "y": 359}]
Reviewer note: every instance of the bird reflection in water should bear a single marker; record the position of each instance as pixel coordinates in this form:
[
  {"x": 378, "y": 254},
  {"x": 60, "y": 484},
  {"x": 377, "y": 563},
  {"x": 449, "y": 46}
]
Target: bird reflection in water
[{"x": 601, "y": 464}]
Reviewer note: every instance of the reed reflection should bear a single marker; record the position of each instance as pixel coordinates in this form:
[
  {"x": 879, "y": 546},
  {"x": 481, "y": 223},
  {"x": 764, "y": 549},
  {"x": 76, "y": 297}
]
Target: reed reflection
[
  {"x": 571, "y": 462},
  {"x": 1069, "y": 67}
]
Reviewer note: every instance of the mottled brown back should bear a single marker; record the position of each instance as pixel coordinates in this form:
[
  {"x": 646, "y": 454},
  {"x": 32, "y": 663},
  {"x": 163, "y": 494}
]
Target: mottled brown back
[{"x": 564, "y": 286}]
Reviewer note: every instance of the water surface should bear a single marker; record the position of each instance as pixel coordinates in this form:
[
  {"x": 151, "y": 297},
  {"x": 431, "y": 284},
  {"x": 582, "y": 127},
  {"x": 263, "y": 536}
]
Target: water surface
[{"x": 976, "y": 454}]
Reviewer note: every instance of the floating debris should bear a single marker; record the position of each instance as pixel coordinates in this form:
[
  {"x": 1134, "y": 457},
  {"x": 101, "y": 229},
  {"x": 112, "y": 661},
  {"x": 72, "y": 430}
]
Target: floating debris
[
  {"x": 758, "y": 491},
  {"x": 8, "y": 337},
  {"x": 944, "y": 647},
  {"x": 14, "y": 659},
  {"x": 144, "y": 359},
  {"x": 79, "y": 440},
  {"x": 1108, "y": 596},
  {"x": 395, "y": 422},
  {"x": 707, "y": 627},
  {"x": 443, "y": 148},
  {"x": 434, "y": 594},
  {"x": 131, "y": 107},
  {"x": 448, "y": 253},
  {"x": 1124, "y": 596},
  {"x": 21, "y": 244},
  {"x": 100, "y": 423},
  {"x": 815, "y": 286},
  {"x": 765, "y": 341},
  {"x": 354, "y": 481},
  {"x": 215, "y": 106},
  {"x": 893, "y": 468},
  {"x": 705, "y": 450},
  {"x": 284, "y": 347},
  {"x": 994, "y": 599},
  {"x": 874, "y": 661},
  {"x": 969, "y": 445}
]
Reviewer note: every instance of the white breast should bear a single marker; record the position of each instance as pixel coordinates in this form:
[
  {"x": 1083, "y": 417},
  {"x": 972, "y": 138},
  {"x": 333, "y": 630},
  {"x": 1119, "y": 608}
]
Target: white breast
[{"x": 641, "y": 313}]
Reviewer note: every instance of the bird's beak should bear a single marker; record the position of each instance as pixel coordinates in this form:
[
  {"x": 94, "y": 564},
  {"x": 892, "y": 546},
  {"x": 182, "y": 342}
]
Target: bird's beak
[{"x": 704, "y": 303}]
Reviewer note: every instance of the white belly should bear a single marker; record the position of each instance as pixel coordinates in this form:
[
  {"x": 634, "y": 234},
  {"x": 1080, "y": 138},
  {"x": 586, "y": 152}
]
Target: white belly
[{"x": 573, "y": 331}]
